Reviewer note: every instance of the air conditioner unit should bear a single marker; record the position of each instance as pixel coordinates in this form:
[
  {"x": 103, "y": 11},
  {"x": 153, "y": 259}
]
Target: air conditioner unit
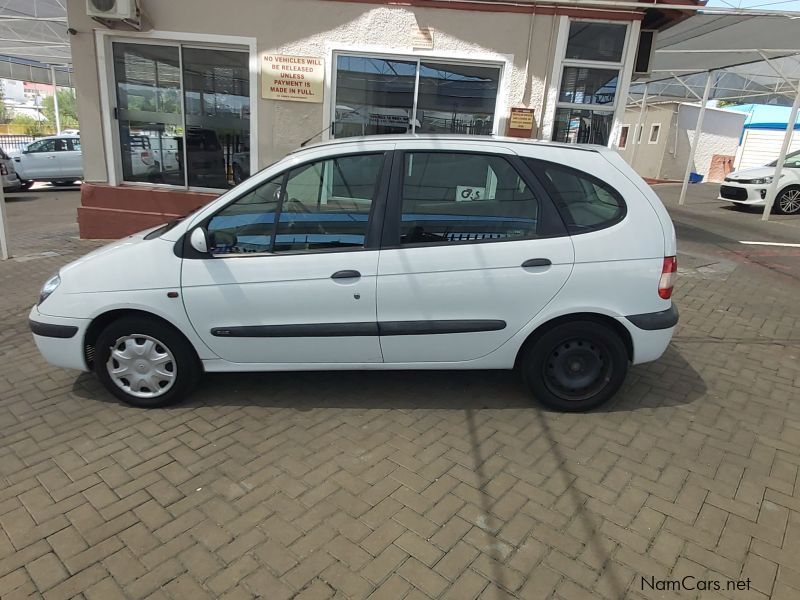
[{"x": 111, "y": 12}]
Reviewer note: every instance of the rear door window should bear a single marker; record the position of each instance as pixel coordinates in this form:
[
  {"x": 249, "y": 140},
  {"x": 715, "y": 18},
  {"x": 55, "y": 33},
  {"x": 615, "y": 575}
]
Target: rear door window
[
  {"x": 585, "y": 202},
  {"x": 451, "y": 198}
]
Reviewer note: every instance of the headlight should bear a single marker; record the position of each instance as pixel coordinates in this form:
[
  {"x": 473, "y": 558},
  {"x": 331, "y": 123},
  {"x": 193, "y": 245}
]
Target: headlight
[
  {"x": 49, "y": 287},
  {"x": 762, "y": 180}
]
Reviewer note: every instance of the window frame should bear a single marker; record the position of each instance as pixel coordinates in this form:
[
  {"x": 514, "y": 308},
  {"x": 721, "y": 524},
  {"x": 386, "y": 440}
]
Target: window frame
[
  {"x": 627, "y": 129},
  {"x": 390, "y": 237},
  {"x": 624, "y": 67},
  {"x": 417, "y": 57},
  {"x": 372, "y": 237},
  {"x": 657, "y": 128},
  {"x": 537, "y": 166},
  {"x": 108, "y": 96}
]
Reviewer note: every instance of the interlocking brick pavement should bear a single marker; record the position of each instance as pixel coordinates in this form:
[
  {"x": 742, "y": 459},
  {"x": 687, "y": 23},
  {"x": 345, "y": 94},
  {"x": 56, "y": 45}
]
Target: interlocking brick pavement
[{"x": 407, "y": 485}]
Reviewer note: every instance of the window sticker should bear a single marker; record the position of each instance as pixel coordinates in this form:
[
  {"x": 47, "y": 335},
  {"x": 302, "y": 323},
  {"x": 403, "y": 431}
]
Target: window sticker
[{"x": 469, "y": 193}]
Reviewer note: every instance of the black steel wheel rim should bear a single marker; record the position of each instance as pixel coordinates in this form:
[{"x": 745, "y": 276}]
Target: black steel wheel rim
[{"x": 577, "y": 369}]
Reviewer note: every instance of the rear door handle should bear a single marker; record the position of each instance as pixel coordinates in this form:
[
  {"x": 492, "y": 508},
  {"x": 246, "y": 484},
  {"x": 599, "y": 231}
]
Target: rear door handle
[
  {"x": 346, "y": 274},
  {"x": 536, "y": 262}
]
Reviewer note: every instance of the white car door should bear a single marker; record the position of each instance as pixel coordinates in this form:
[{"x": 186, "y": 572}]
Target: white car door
[
  {"x": 39, "y": 160},
  {"x": 71, "y": 159},
  {"x": 472, "y": 251},
  {"x": 301, "y": 290}
]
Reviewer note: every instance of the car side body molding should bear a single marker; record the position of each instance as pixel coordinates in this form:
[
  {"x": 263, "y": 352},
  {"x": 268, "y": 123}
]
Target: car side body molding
[{"x": 362, "y": 329}]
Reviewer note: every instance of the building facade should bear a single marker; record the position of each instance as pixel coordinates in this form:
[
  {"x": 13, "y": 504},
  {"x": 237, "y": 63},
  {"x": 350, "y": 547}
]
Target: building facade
[
  {"x": 211, "y": 92},
  {"x": 659, "y": 148}
]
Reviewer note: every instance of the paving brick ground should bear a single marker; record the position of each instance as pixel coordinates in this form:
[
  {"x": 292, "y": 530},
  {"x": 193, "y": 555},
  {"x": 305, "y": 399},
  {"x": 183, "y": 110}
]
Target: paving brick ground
[{"x": 409, "y": 485}]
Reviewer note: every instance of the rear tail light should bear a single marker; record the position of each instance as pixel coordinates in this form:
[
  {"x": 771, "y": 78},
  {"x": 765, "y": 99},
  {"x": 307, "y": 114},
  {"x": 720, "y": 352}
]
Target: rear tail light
[{"x": 667, "y": 277}]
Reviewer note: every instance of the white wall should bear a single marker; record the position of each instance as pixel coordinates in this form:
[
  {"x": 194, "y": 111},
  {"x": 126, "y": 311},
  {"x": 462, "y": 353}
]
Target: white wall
[
  {"x": 721, "y": 132},
  {"x": 762, "y": 146},
  {"x": 648, "y": 156}
]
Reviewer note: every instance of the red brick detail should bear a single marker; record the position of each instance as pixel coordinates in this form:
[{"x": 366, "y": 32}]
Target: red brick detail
[{"x": 110, "y": 212}]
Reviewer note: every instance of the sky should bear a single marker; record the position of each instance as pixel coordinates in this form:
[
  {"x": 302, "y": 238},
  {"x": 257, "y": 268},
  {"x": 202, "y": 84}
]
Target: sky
[{"x": 763, "y": 4}]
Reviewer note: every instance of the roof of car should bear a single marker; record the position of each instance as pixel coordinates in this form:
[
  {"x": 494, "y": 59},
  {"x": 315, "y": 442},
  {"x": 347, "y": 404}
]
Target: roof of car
[{"x": 406, "y": 137}]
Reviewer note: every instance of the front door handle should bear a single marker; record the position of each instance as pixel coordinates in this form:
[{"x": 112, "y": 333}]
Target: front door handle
[
  {"x": 536, "y": 262},
  {"x": 346, "y": 274}
]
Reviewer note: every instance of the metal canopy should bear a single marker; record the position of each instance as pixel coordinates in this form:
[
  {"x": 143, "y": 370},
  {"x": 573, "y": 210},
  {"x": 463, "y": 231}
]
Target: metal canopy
[
  {"x": 749, "y": 57},
  {"x": 35, "y": 30}
]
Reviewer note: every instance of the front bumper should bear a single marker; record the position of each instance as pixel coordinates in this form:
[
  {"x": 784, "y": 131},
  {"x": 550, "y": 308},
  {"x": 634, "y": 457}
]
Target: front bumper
[
  {"x": 749, "y": 194},
  {"x": 59, "y": 339}
]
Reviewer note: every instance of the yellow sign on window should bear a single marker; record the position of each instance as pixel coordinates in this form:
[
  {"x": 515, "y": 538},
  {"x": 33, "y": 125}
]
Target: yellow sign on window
[{"x": 293, "y": 78}]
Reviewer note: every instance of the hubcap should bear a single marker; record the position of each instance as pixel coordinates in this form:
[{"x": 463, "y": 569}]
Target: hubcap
[
  {"x": 142, "y": 366},
  {"x": 790, "y": 201},
  {"x": 577, "y": 369}
]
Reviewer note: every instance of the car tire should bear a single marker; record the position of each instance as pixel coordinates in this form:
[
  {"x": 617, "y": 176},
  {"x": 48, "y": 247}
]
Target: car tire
[
  {"x": 162, "y": 363},
  {"x": 788, "y": 201},
  {"x": 63, "y": 182},
  {"x": 25, "y": 185},
  {"x": 575, "y": 366}
]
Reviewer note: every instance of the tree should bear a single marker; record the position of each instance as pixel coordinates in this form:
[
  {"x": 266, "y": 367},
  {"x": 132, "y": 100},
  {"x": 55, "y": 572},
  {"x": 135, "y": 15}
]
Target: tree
[
  {"x": 66, "y": 109},
  {"x": 3, "y": 111},
  {"x": 31, "y": 125}
]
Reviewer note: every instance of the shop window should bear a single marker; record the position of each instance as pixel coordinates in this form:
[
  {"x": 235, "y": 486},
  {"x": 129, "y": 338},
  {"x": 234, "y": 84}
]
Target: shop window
[
  {"x": 577, "y": 126},
  {"x": 453, "y": 198},
  {"x": 596, "y": 41},
  {"x": 377, "y": 95},
  {"x": 183, "y": 114},
  {"x": 589, "y": 77}
]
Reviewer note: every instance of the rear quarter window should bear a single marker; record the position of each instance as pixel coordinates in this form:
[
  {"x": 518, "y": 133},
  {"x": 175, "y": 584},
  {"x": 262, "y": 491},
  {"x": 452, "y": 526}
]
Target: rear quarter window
[{"x": 585, "y": 202}]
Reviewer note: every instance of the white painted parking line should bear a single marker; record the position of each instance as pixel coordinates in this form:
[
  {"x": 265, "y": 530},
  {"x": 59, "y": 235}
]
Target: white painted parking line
[{"x": 771, "y": 244}]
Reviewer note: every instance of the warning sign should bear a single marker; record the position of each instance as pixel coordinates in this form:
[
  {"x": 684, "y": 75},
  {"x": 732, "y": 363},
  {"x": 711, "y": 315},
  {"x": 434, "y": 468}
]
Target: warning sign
[{"x": 294, "y": 78}]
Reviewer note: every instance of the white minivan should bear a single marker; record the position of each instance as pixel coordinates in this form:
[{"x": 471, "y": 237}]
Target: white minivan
[{"x": 385, "y": 252}]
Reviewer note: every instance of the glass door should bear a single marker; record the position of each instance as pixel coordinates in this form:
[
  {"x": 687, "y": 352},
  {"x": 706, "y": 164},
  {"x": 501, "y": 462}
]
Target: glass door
[{"x": 149, "y": 99}]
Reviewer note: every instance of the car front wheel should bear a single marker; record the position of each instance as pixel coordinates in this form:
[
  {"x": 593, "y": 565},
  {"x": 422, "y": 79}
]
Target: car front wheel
[
  {"x": 788, "y": 201},
  {"x": 575, "y": 366},
  {"x": 145, "y": 363}
]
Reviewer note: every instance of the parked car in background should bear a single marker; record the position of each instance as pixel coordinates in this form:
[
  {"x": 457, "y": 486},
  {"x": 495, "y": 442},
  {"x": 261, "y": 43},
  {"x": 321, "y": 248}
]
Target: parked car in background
[
  {"x": 748, "y": 187},
  {"x": 56, "y": 159},
  {"x": 11, "y": 182},
  {"x": 385, "y": 252}
]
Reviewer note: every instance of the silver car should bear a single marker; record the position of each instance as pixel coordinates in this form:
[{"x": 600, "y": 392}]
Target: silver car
[{"x": 56, "y": 159}]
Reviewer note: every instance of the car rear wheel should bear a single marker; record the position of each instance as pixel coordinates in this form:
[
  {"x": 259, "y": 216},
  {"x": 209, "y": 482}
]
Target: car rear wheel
[
  {"x": 575, "y": 366},
  {"x": 788, "y": 201},
  {"x": 145, "y": 363}
]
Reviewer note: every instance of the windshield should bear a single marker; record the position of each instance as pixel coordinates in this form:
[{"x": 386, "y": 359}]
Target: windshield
[{"x": 792, "y": 161}]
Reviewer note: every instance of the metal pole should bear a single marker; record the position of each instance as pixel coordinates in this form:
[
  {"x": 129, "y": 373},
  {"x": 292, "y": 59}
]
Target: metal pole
[
  {"x": 787, "y": 138},
  {"x": 639, "y": 124},
  {"x": 698, "y": 129},
  {"x": 55, "y": 98},
  {"x": 3, "y": 230}
]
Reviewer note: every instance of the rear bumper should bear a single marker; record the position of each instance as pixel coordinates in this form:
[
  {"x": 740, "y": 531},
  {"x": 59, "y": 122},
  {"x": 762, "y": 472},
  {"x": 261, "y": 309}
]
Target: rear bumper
[
  {"x": 664, "y": 319},
  {"x": 59, "y": 339},
  {"x": 651, "y": 333}
]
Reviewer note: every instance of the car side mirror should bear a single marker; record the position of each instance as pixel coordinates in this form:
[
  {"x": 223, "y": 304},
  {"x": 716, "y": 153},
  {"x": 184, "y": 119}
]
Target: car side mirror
[{"x": 198, "y": 240}]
